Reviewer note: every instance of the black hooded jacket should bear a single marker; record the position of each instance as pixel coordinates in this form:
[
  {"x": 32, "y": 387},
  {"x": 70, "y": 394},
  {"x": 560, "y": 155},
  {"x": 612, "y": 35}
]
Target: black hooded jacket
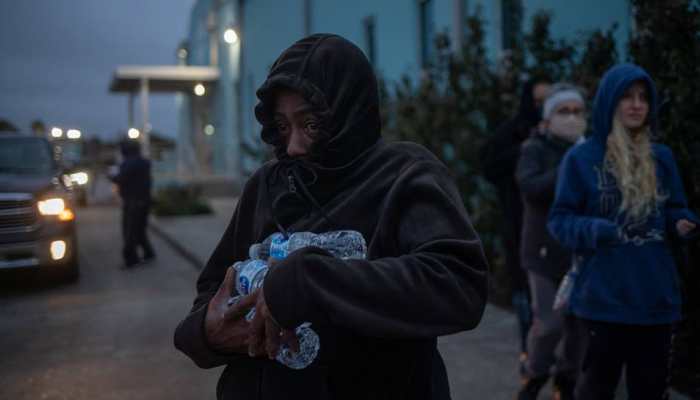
[
  {"x": 378, "y": 319},
  {"x": 499, "y": 158},
  {"x": 134, "y": 177}
]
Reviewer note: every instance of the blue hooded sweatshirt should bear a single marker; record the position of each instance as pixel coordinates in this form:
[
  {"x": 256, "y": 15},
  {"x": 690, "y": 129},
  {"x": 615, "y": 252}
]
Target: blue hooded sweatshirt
[{"x": 627, "y": 272}]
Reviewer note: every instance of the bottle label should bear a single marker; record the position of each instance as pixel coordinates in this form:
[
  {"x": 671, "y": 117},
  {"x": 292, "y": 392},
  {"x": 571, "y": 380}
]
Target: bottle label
[
  {"x": 278, "y": 246},
  {"x": 247, "y": 275}
]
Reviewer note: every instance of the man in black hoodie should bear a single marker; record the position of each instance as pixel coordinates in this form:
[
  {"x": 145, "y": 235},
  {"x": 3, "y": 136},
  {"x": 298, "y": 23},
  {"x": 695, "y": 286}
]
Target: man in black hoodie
[
  {"x": 134, "y": 183},
  {"x": 499, "y": 158},
  {"x": 378, "y": 319}
]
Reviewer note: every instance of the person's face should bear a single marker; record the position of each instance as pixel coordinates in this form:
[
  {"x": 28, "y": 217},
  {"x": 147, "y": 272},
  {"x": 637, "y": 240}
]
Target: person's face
[
  {"x": 295, "y": 122},
  {"x": 570, "y": 108},
  {"x": 633, "y": 108},
  {"x": 539, "y": 93},
  {"x": 567, "y": 121}
]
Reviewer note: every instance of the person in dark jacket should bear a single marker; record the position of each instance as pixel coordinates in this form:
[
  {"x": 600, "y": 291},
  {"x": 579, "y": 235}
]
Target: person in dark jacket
[
  {"x": 134, "y": 183},
  {"x": 545, "y": 261},
  {"x": 378, "y": 319},
  {"x": 619, "y": 201},
  {"x": 499, "y": 157}
]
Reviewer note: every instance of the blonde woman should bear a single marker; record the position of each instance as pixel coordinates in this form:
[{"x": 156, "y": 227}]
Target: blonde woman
[{"x": 619, "y": 200}]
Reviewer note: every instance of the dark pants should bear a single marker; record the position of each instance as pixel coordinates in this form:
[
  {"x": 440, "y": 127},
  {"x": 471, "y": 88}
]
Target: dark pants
[
  {"x": 134, "y": 225},
  {"x": 555, "y": 339},
  {"x": 644, "y": 352}
]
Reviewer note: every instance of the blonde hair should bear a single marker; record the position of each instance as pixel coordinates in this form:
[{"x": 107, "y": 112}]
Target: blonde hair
[{"x": 629, "y": 159}]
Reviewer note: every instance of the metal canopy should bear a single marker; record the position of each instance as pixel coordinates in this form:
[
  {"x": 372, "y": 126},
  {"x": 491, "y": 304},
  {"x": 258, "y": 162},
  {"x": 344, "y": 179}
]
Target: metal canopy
[{"x": 162, "y": 78}]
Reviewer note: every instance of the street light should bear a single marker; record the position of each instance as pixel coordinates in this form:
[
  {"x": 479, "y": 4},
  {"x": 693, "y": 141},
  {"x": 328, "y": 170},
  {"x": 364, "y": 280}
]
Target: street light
[
  {"x": 230, "y": 36},
  {"x": 199, "y": 89},
  {"x": 133, "y": 133},
  {"x": 56, "y": 132},
  {"x": 209, "y": 130},
  {"x": 73, "y": 134}
]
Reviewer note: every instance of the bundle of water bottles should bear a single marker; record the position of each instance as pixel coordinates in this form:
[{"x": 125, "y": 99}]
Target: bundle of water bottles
[{"x": 250, "y": 275}]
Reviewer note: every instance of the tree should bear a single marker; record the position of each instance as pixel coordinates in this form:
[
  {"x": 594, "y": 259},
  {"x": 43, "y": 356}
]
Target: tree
[
  {"x": 7, "y": 126},
  {"x": 464, "y": 96},
  {"x": 38, "y": 128},
  {"x": 667, "y": 44}
]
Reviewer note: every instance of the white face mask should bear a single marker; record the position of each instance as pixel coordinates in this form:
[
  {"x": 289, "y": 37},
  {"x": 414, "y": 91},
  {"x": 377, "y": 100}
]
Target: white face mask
[{"x": 567, "y": 127}]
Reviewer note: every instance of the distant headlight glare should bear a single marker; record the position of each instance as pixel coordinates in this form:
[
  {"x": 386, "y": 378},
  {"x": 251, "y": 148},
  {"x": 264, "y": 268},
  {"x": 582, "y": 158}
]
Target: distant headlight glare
[
  {"x": 54, "y": 206},
  {"x": 81, "y": 178}
]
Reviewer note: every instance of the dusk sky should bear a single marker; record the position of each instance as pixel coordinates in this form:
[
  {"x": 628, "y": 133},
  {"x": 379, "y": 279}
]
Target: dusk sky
[{"x": 57, "y": 58}]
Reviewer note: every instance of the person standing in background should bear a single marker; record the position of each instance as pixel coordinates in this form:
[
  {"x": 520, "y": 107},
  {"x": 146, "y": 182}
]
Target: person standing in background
[
  {"x": 134, "y": 183},
  {"x": 499, "y": 157},
  {"x": 546, "y": 262},
  {"x": 619, "y": 202}
]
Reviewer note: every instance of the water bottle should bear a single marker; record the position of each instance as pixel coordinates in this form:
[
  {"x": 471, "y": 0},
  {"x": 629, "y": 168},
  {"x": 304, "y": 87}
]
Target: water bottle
[
  {"x": 250, "y": 275},
  {"x": 341, "y": 244},
  {"x": 566, "y": 287}
]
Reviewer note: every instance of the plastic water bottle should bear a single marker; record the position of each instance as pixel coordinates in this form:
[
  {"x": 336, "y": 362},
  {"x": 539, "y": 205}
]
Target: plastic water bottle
[
  {"x": 566, "y": 287},
  {"x": 341, "y": 244},
  {"x": 250, "y": 275}
]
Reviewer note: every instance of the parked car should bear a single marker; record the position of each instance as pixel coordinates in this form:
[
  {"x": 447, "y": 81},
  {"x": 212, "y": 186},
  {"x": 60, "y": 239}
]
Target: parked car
[{"x": 37, "y": 218}]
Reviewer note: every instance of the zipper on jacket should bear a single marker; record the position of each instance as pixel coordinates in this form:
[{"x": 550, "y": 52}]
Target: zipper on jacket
[{"x": 292, "y": 184}]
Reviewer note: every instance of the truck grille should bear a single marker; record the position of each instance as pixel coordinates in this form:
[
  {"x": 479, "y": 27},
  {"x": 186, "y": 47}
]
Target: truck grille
[{"x": 17, "y": 213}]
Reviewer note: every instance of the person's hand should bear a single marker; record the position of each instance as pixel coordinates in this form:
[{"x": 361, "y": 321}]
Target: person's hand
[
  {"x": 225, "y": 326},
  {"x": 266, "y": 336},
  {"x": 684, "y": 227}
]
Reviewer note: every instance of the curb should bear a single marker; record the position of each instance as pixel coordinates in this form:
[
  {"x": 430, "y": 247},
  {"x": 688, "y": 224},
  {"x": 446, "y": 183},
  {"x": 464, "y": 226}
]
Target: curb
[{"x": 189, "y": 256}]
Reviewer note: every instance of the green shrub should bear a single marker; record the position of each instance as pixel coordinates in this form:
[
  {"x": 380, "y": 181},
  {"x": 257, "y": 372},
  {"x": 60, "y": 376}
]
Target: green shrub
[{"x": 174, "y": 199}]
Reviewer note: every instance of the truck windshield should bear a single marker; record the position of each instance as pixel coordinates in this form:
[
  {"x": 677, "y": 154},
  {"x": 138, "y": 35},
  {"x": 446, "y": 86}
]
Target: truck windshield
[{"x": 25, "y": 156}]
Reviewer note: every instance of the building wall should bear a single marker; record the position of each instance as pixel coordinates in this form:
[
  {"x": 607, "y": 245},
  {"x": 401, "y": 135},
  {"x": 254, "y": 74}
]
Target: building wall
[{"x": 267, "y": 27}]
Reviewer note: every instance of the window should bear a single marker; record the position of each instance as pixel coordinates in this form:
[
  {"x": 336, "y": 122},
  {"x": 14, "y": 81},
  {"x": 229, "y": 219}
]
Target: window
[
  {"x": 425, "y": 30},
  {"x": 371, "y": 39}
]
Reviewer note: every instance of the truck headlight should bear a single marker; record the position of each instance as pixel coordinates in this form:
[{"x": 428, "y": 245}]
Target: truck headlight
[
  {"x": 81, "y": 178},
  {"x": 52, "y": 206},
  {"x": 58, "y": 249}
]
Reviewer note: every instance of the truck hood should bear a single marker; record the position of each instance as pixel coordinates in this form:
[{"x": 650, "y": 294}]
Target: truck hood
[{"x": 35, "y": 184}]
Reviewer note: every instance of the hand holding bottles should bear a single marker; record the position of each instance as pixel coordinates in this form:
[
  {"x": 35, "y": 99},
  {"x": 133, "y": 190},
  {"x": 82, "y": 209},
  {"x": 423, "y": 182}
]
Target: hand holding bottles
[
  {"x": 296, "y": 348},
  {"x": 264, "y": 326},
  {"x": 225, "y": 325}
]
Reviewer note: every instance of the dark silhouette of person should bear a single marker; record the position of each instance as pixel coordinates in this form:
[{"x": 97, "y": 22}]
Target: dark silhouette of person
[
  {"x": 499, "y": 158},
  {"x": 134, "y": 182}
]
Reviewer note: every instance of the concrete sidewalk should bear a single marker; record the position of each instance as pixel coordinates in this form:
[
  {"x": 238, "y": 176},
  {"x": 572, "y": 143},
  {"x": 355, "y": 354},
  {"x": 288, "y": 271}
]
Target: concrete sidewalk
[
  {"x": 195, "y": 237},
  {"x": 481, "y": 364}
]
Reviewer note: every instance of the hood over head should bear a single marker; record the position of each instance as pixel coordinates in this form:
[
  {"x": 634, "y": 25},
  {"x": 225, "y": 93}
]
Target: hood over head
[
  {"x": 130, "y": 148},
  {"x": 611, "y": 89},
  {"x": 335, "y": 77},
  {"x": 528, "y": 112}
]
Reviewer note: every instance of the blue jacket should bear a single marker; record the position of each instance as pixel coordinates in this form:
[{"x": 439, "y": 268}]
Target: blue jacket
[{"x": 627, "y": 272}]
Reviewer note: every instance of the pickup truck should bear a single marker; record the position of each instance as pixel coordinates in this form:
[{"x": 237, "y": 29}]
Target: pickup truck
[{"x": 37, "y": 219}]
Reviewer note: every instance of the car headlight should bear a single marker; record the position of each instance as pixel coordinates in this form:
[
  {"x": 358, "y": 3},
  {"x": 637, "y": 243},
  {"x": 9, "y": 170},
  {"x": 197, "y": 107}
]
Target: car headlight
[
  {"x": 53, "y": 206},
  {"x": 67, "y": 180},
  {"x": 81, "y": 178},
  {"x": 56, "y": 206}
]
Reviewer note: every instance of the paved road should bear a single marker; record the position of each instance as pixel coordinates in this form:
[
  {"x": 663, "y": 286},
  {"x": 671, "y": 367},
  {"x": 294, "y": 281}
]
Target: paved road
[{"x": 108, "y": 336}]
